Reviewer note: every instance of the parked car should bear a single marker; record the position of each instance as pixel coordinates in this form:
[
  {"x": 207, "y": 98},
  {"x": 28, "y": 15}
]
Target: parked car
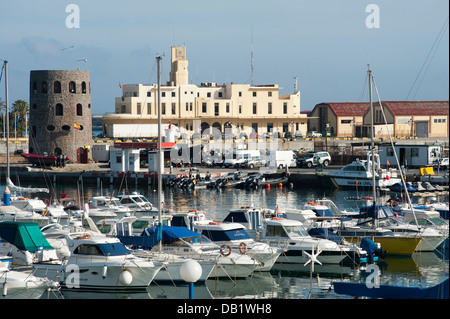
[
  {"x": 298, "y": 134},
  {"x": 315, "y": 134},
  {"x": 442, "y": 163},
  {"x": 313, "y": 159},
  {"x": 253, "y": 162}
]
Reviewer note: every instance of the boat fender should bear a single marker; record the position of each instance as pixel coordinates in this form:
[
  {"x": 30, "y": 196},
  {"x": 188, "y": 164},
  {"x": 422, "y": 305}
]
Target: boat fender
[
  {"x": 277, "y": 218},
  {"x": 214, "y": 223},
  {"x": 105, "y": 271},
  {"x": 5, "y": 289},
  {"x": 243, "y": 248},
  {"x": 125, "y": 278},
  {"x": 225, "y": 250}
]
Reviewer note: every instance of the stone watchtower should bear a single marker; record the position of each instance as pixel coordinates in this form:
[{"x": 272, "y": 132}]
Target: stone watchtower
[{"x": 60, "y": 114}]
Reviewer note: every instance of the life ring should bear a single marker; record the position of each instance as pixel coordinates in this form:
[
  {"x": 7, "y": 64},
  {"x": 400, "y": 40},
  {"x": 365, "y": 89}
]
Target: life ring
[
  {"x": 243, "y": 248},
  {"x": 312, "y": 203},
  {"x": 225, "y": 250}
]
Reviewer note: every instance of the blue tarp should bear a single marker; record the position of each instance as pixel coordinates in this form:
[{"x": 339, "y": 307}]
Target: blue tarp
[
  {"x": 325, "y": 234},
  {"x": 233, "y": 234},
  {"x": 149, "y": 237},
  {"x": 440, "y": 291}
]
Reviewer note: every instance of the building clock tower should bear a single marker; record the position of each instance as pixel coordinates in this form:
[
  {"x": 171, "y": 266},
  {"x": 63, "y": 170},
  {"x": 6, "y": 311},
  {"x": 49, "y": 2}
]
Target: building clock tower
[{"x": 179, "y": 67}]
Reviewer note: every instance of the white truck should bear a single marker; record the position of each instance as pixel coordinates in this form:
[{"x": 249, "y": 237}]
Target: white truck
[
  {"x": 238, "y": 157},
  {"x": 282, "y": 159}
]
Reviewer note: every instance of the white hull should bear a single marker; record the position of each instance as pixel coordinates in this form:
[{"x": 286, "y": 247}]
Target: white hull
[{"x": 367, "y": 182}]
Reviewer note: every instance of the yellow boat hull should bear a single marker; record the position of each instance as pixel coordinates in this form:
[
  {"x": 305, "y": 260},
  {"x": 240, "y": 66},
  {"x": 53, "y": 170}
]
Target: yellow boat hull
[{"x": 394, "y": 245}]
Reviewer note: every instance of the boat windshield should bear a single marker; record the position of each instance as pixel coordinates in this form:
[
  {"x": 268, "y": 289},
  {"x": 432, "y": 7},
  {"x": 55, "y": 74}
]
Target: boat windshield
[
  {"x": 137, "y": 199},
  {"x": 108, "y": 249},
  {"x": 295, "y": 231}
]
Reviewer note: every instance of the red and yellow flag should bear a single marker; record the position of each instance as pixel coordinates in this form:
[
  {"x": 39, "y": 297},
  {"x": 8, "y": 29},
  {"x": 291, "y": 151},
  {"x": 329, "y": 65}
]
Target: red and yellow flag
[{"x": 77, "y": 126}]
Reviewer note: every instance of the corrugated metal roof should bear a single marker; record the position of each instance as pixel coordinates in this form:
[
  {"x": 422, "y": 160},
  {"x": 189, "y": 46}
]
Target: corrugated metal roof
[
  {"x": 397, "y": 108},
  {"x": 348, "y": 108},
  {"x": 404, "y": 108}
]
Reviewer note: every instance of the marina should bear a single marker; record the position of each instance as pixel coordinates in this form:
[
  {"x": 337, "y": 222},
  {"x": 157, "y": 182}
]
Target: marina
[{"x": 284, "y": 280}]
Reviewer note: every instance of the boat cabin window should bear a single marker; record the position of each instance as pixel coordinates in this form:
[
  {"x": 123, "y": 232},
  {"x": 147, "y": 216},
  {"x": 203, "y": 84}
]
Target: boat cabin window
[
  {"x": 236, "y": 217},
  {"x": 178, "y": 221},
  {"x": 233, "y": 234},
  {"x": 354, "y": 168},
  {"x": 110, "y": 249},
  {"x": 126, "y": 200}
]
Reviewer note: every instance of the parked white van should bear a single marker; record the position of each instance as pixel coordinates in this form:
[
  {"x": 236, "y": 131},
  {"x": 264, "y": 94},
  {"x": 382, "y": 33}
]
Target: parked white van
[
  {"x": 282, "y": 159},
  {"x": 239, "y": 157}
]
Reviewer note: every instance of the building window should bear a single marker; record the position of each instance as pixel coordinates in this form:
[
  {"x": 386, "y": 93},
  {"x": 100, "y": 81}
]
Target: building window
[
  {"x": 254, "y": 94},
  {"x": 390, "y": 151},
  {"x": 118, "y": 159},
  {"x": 83, "y": 87},
  {"x": 173, "y": 108},
  {"x": 240, "y": 94},
  {"x": 240, "y": 109},
  {"x": 190, "y": 106},
  {"x": 59, "y": 109},
  {"x": 72, "y": 87},
  {"x": 269, "y": 127},
  {"x": 149, "y": 108},
  {"x": 216, "y": 109},
  {"x": 208, "y": 94},
  {"x": 149, "y": 94},
  {"x": 346, "y": 121},
  {"x": 65, "y": 128},
  {"x": 227, "y": 107},
  {"x": 220, "y": 94},
  {"x": 50, "y": 128},
  {"x": 163, "y": 94},
  {"x": 187, "y": 106},
  {"x": 34, "y": 87},
  {"x": 173, "y": 94},
  {"x": 79, "y": 110},
  {"x": 44, "y": 87},
  {"x": 285, "y": 127},
  {"x": 139, "y": 108},
  {"x": 57, "y": 87},
  {"x": 204, "y": 107},
  {"x": 123, "y": 109},
  {"x": 254, "y": 108},
  {"x": 269, "y": 94},
  {"x": 163, "y": 108},
  {"x": 415, "y": 152},
  {"x": 269, "y": 108},
  {"x": 284, "y": 108}
]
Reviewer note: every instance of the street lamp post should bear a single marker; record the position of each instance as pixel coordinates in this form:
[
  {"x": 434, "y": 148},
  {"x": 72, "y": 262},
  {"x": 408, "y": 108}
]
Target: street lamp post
[{"x": 191, "y": 271}]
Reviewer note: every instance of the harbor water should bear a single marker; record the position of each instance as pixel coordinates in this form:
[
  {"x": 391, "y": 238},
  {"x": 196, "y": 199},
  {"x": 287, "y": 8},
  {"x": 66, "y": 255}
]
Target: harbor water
[{"x": 283, "y": 281}]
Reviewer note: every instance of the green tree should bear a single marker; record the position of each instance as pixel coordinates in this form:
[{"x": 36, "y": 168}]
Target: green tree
[{"x": 19, "y": 110}]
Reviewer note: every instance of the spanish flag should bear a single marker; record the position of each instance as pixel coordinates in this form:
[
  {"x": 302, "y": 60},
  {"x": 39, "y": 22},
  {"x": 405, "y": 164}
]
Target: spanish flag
[{"x": 77, "y": 126}]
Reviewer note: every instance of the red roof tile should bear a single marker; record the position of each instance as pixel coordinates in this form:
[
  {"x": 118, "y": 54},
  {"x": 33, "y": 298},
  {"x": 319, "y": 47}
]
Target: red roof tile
[
  {"x": 348, "y": 108},
  {"x": 402, "y": 108}
]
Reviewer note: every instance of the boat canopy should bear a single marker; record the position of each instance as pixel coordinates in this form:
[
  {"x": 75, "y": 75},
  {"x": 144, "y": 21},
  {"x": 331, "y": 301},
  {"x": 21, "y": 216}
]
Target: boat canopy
[
  {"x": 378, "y": 212},
  {"x": 25, "y": 236},
  {"x": 226, "y": 235},
  {"x": 150, "y": 237}
]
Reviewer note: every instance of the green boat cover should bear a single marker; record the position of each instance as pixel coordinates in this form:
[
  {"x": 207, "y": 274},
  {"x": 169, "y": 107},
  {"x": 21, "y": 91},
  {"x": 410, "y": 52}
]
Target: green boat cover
[{"x": 25, "y": 236}]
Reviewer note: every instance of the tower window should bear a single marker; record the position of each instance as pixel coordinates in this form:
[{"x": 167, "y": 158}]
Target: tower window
[
  {"x": 57, "y": 87},
  {"x": 72, "y": 87},
  {"x": 59, "y": 109},
  {"x": 83, "y": 87},
  {"x": 79, "y": 110},
  {"x": 44, "y": 87}
]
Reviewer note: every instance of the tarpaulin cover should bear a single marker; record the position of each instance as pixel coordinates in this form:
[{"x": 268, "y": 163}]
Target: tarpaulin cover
[{"x": 25, "y": 236}]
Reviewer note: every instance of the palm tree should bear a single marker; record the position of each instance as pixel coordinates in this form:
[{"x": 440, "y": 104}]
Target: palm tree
[{"x": 20, "y": 109}]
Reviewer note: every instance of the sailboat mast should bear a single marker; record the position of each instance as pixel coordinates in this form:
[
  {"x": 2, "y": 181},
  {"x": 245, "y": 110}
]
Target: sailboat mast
[
  {"x": 7, "y": 120},
  {"x": 158, "y": 59},
  {"x": 372, "y": 144}
]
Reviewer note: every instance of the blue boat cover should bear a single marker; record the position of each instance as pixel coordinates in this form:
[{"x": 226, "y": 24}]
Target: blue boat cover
[
  {"x": 368, "y": 245},
  {"x": 326, "y": 234},
  {"x": 440, "y": 291},
  {"x": 150, "y": 236}
]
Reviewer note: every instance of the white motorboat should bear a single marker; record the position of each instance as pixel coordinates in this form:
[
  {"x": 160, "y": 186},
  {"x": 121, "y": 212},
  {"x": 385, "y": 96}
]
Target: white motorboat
[
  {"x": 99, "y": 262},
  {"x": 25, "y": 243},
  {"x": 109, "y": 203},
  {"x": 21, "y": 284},
  {"x": 12, "y": 213},
  {"x": 291, "y": 235},
  {"x": 359, "y": 173},
  {"x": 183, "y": 242},
  {"x": 52, "y": 210},
  {"x": 235, "y": 236},
  {"x": 137, "y": 203}
]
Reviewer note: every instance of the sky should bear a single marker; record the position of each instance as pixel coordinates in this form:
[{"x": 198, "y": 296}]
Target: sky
[{"x": 326, "y": 44}]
